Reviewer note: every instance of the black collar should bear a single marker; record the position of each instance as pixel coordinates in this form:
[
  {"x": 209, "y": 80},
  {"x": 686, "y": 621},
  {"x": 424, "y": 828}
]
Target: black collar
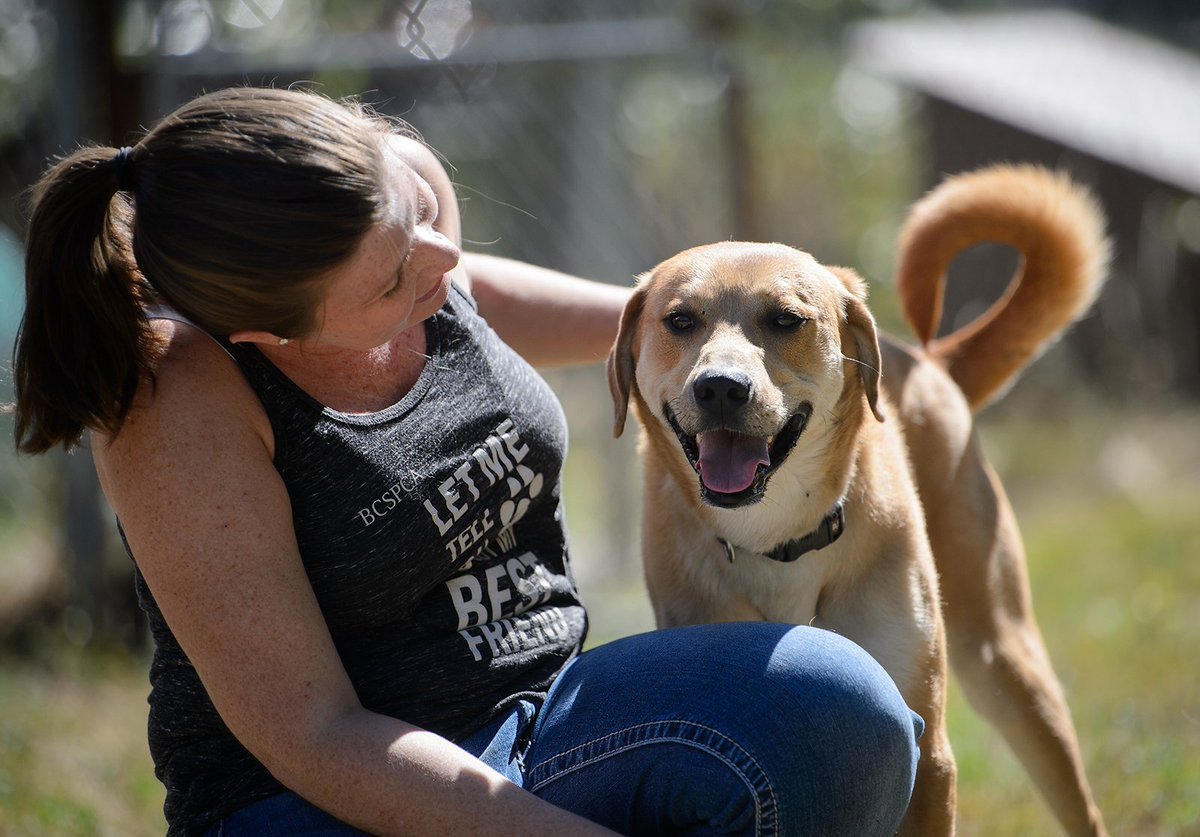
[{"x": 829, "y": 530}]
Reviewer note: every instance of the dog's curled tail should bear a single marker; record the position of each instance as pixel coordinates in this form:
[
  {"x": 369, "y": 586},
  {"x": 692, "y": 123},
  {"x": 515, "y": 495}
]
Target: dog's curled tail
[{"x": 1057, "y": 228}]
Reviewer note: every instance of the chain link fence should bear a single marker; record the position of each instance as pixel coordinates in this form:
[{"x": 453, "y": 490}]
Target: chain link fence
[
  {"x": 591, "y": 146},
  {"x": 585, "y": 142}
]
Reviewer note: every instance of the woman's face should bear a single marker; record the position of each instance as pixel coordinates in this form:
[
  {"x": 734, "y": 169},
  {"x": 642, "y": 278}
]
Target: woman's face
[{"x": 398, "y": 276}]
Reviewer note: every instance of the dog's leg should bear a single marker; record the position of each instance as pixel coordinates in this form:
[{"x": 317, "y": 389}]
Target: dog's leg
[
  {"x": 995, "y": 646},
  {"x": 931, "y": 811},
  {"x": 912, "y": 648}
]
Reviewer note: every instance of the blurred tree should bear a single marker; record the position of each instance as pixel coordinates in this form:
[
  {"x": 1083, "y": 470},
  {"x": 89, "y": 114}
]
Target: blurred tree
[{"x": 76, "y": 91}]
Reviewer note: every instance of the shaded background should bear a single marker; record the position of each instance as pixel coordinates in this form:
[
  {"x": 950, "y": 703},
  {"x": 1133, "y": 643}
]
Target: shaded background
[{"x": 599, "y": 138}]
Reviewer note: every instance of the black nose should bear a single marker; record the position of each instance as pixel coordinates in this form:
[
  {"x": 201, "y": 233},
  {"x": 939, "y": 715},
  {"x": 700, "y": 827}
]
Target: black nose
[{"x": 721, "y": 393}]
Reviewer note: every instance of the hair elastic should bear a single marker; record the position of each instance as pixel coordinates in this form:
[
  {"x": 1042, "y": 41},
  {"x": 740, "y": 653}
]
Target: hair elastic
[{"x": 123, "y": 172}]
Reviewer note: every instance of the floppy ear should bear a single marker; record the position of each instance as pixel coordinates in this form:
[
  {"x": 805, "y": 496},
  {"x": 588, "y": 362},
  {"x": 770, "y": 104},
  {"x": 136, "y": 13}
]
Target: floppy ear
[
  {"x": 863, "y": 334},
  {"x": 620, "y": 359}
]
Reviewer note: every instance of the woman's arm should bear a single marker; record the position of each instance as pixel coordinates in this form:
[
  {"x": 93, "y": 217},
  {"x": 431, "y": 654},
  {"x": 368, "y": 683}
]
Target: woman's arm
[
  {"x": 550, "y": 318},
  {"x": 191, "y": 477}
]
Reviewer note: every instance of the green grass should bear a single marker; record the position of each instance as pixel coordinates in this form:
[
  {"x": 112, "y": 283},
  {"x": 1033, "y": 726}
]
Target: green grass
[
  {"x": 73, "y": 757},
  {"x": 1109, "y": 504},
  {"x": 1117, "y": 592}
]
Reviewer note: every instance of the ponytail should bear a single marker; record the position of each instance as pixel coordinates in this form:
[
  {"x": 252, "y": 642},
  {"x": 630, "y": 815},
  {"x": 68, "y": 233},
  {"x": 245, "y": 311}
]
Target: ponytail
[
  {"x": 233, "y": 211},
  {"x": 84, "y": 342}
]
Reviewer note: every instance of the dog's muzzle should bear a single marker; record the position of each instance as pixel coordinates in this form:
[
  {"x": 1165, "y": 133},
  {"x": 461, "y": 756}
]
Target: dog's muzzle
[{"x": 733, "y": 467}]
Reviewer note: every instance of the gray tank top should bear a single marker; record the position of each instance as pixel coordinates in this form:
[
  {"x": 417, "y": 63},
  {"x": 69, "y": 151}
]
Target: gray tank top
[{"x": 433, "y": 535}]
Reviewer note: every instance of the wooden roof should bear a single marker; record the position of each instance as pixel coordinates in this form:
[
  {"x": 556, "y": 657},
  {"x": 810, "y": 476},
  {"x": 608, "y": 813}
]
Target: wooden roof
[{"x": 1110, "y": 93}]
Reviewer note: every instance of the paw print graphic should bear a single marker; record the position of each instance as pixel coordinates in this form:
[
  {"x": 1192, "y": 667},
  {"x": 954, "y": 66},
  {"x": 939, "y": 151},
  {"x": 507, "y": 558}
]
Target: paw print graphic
[
  {"x": 523, "y": 486},
  {"x": 514, "y": 509}
]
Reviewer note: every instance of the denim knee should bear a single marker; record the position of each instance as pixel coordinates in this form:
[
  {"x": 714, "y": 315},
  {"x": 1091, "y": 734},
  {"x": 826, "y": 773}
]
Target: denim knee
[
  {"x": 797, "y": 731},
  {"x": 857, "y": 726}
]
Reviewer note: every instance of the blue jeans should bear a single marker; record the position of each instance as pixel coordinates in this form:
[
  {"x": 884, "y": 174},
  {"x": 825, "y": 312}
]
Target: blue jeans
[{"x": 738, "y": 728}]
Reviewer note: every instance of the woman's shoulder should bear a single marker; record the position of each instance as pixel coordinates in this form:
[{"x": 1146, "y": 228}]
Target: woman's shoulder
[{"x": 193, "y": 392}]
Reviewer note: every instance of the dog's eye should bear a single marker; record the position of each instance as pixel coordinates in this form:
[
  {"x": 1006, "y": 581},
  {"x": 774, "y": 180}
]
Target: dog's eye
[
  {"x": 677, "y": 321},
  {"x": 788, "y": 321}
]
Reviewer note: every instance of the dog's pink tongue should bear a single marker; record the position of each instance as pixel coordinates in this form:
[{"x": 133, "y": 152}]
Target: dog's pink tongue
[{"x": 729, "y": 460}]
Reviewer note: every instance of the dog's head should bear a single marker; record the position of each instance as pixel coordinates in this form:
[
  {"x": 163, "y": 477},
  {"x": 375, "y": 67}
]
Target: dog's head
[{"x": 734, "y": 347}]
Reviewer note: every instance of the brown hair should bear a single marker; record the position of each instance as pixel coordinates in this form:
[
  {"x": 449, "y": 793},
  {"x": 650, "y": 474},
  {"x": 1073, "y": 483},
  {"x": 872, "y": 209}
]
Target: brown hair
[{"x": 232, "y": 210}]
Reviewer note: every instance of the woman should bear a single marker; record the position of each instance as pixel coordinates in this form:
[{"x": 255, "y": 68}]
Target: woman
[{"x": 340, "y": 488}]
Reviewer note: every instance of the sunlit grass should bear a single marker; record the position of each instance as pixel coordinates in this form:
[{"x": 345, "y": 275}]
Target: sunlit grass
[
  {"x": 73, "y": 756},
  {"x": 1117, "y": 592},
  {"x": 1109, "y": 506}
]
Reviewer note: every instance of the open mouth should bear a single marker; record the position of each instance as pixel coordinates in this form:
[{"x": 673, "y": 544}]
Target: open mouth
[{"x": 734, "y": 468}]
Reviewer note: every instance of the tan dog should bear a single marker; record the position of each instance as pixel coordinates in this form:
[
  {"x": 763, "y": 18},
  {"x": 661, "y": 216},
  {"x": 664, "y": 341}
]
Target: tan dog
[{"x": 756, "y": 374}]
